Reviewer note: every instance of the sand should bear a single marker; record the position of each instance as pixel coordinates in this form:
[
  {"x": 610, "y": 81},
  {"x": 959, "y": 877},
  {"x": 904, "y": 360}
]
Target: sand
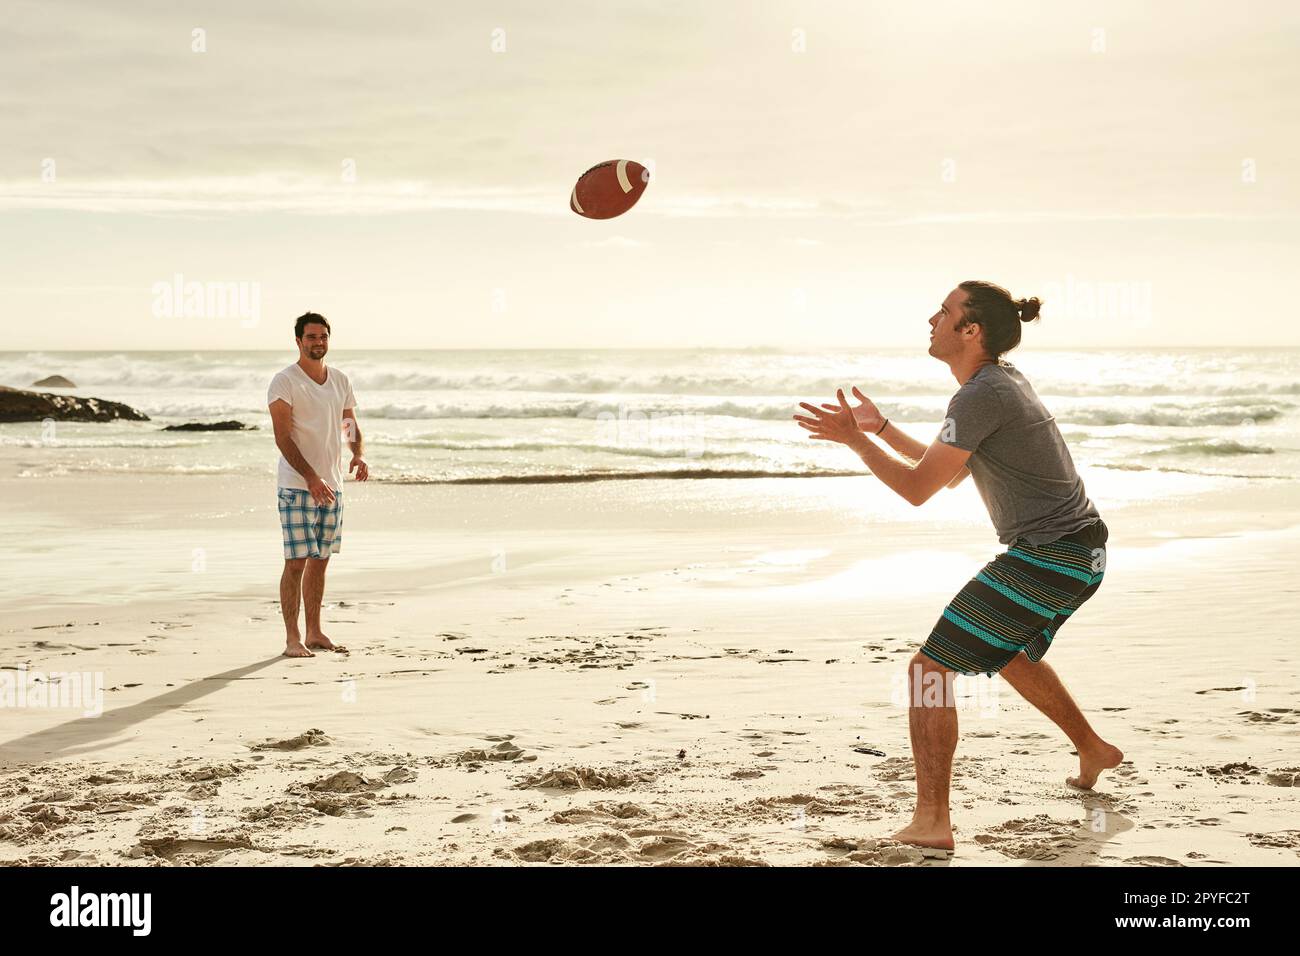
[{"x": 630, "y": 673}]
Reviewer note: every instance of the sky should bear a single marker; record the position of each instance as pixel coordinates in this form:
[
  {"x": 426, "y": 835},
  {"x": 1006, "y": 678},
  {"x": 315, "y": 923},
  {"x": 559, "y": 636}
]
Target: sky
[{"x": 823, "y": 173}]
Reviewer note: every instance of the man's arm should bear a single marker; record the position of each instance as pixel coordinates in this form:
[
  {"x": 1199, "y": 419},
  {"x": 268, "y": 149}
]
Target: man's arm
[
  {"x": 869, "y": 419},
  {"x": 940, "y": 466},
  {"x": 903, "y": 443},
  {"x": 916, "y": 482},
  {"x": 352, "y": 431},
  {"x": 913, "y": 451},
  {"x": 282, "y": 422}
]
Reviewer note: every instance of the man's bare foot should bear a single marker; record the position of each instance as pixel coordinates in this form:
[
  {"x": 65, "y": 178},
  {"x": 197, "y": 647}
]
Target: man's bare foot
[
  {"x": 296, "y": 649},
  {"x": 1093, "y": 762},
  {"x": 324, "y": 643},
  {"x": 937, "y": 836}
]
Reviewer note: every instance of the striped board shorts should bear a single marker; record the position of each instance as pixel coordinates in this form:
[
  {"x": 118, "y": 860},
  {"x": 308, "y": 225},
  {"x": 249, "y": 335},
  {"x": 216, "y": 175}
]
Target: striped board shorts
[
  {"x": 310, "y": 530},
  {"x": 1018, "y": 602}
]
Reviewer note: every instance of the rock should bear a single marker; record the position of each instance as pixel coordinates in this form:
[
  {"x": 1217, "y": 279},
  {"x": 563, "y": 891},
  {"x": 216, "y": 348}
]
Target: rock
[
  {"x": 53, "y": 381},
  {"x": 399, "y": 775},
  {"x": 211, "y": 427},
  {"x": 17, "y": 405},
  {"x": 345, "y": 781}
]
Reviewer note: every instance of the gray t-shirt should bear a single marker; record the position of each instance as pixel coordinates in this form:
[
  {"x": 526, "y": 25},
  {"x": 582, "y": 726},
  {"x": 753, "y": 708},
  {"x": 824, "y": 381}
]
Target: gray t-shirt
[{"x": 1019, "y": 461}]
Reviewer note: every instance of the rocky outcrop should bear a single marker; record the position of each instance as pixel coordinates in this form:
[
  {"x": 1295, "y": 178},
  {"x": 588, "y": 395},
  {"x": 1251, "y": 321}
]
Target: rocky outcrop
[
  {"x": 211, "y": 427},
  {"x": 17, "y": 405},
  {"x": 53, "y": 381}
]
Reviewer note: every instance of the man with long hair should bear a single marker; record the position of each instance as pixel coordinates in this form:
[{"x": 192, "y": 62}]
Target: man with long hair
[{"x": 1004, "y": 619}]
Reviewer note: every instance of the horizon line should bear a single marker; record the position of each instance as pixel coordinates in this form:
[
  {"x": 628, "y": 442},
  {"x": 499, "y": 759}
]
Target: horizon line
[{"x": 673, "y": 348}]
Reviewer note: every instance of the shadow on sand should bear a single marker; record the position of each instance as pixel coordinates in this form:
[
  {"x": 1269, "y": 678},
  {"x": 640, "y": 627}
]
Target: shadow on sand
[{"x": 86, "y": 735}]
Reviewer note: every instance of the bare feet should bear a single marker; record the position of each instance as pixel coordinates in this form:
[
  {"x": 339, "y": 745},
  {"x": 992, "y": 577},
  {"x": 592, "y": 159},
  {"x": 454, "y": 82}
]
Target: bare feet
[
  {"x": 1092, "y": 762},
  {"x": 324, "y": 643},
  {"x": 934, "y": 836},
  {"x": 295, "y": 648}
]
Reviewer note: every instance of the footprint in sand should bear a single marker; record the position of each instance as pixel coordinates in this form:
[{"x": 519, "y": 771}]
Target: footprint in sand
[
  {"x": 345, "y": 781},
  {"x": 1152, "y": 861},
  {"x": 505, "y": 750},
  {"x": 1274, "y": 715},
  {"x": 308, "y": 738},
  {"x": 599, "y": 811},
  {"x": 1039, "y": 838},
  {"x": 1277, "y": 840},
  {"x": 880, "y": 852},
  {"x": 894, "y": 769},
  {"x": 665, "y": 845},
  {"x": 584, "y": 778},
  {"x": 608, "y": 847},
  {"x": 177, "y": 849}
]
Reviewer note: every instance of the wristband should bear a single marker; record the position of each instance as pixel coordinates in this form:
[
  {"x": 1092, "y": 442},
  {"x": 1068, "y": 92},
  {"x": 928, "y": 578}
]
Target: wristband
[{"x": 882, "y": 427}]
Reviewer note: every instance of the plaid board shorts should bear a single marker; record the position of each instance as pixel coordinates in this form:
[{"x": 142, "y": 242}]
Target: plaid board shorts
[
  {"x": 1018, "y": 602},
  {"x": 310, "y": 530}
]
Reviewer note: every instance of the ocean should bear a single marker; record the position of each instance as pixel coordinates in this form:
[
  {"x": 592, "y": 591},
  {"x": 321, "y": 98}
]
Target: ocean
[{"x": 568, "y": 415}]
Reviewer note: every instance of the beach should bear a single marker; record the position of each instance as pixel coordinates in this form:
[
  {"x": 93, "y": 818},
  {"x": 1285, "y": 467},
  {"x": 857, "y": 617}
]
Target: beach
[
  {"x": 629, "y": 672},
  {"x": 468, "y": 440}
]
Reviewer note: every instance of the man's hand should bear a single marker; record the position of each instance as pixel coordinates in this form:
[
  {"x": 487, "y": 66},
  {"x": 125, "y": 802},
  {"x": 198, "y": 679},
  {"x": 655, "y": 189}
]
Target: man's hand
[
  {"x": 832, "y": 424},
  {"x": 359, "y": 466},
  {"x": 320, "y": 492},
  {"x": 866, "y": 415}
]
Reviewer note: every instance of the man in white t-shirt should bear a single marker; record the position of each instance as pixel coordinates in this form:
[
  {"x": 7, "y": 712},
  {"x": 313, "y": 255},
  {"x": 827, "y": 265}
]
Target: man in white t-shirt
[{"x": 313, "y": 411}]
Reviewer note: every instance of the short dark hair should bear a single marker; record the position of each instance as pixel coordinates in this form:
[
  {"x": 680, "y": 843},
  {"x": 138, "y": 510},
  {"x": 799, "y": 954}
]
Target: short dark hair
[{"x": 309, "y": 318}]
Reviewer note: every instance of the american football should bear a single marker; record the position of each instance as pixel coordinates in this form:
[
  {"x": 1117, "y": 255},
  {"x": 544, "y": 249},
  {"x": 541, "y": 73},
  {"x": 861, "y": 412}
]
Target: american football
[{"x": 609, "y": 189}]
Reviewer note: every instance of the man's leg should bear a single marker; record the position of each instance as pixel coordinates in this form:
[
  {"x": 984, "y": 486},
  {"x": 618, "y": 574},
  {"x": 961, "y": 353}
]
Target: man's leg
[
  {"x": 932, "y": 720},
  {"x": 313, "y": 592},
  {"x": 1038, "y": 684},
  {"x": 290, "y": 598}
]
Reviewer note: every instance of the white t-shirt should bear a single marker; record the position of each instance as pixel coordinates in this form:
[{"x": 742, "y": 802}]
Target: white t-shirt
[{"x": 317, "y": 422}]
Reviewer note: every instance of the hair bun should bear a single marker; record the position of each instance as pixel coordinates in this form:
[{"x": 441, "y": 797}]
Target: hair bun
[{"x": 1028, "y": 308}]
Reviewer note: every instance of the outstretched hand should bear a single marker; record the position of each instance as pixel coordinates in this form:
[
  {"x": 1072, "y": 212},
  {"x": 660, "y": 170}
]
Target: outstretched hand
[
  {"x": 831, "y": 423},
  {"x": 866, "y": 414}
]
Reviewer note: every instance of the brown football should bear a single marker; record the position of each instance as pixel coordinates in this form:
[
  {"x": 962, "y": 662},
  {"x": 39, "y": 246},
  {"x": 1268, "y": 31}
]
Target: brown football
[{"x": 609, "y": 189}]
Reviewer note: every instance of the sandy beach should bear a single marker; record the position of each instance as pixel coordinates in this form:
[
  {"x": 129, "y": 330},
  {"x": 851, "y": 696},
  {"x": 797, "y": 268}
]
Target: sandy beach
[{"x": 625, "y": 672}]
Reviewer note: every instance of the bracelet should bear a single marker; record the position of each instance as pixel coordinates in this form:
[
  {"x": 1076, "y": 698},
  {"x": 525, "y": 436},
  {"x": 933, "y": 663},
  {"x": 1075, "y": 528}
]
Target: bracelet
[{"x": 882, "y": 427}]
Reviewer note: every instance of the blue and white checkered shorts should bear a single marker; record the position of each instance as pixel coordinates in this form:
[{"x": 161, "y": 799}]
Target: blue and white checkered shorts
[{"x": 310, "y": 530}]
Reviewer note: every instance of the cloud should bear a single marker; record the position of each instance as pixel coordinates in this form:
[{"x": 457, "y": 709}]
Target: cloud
[
  {"x": 294, "y": 193},
  {"x": 280, "y": 193}
]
